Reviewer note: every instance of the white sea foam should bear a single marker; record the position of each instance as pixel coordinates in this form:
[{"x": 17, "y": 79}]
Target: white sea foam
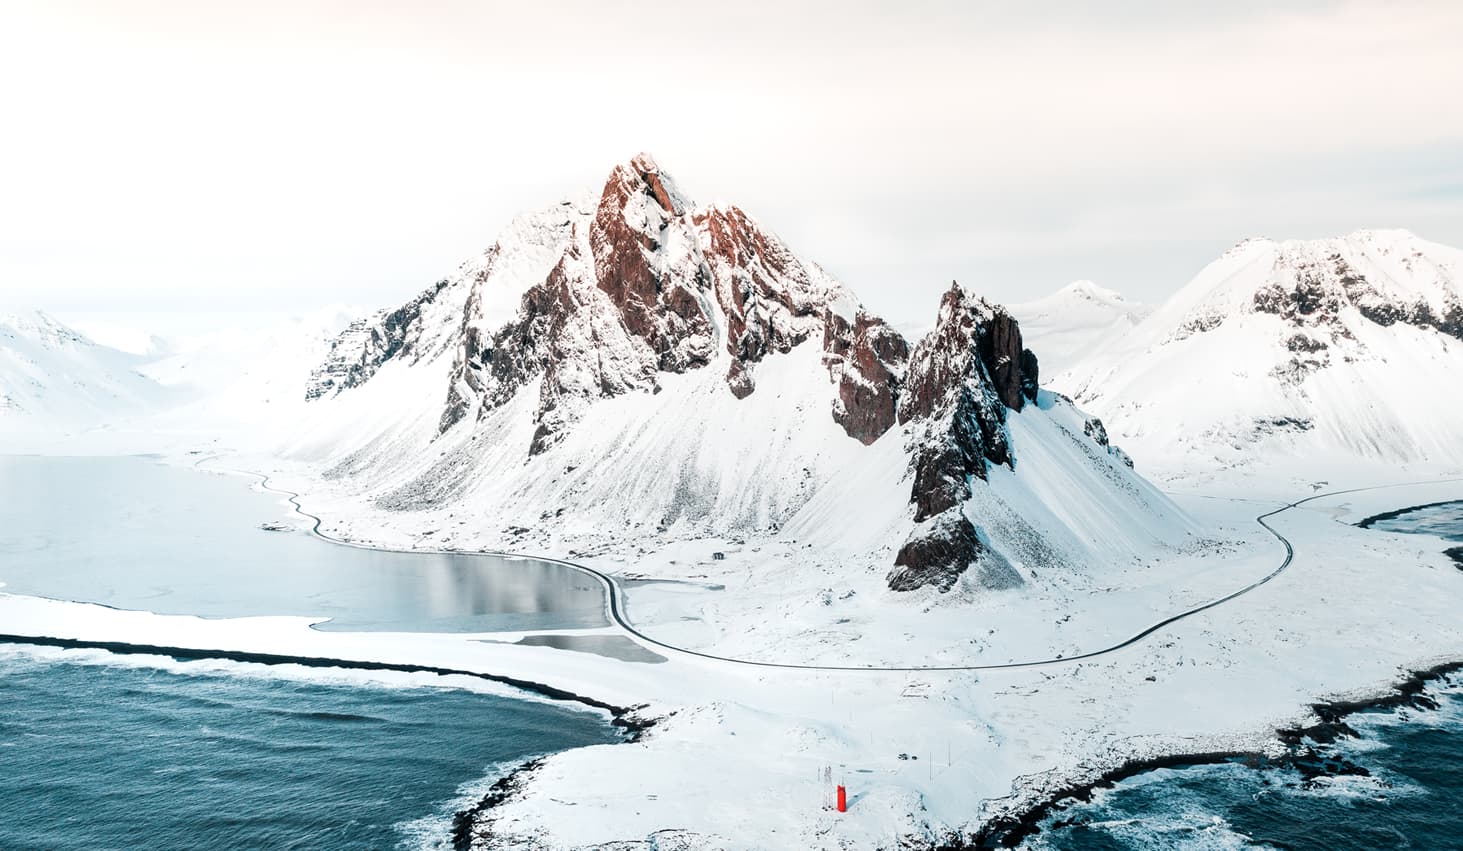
[
  {"x": 13, "y": 654},
  {"x": 433, "y": 832}
]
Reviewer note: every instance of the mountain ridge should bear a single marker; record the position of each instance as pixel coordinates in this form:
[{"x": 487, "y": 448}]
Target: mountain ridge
[
  {"x": 641, "y": 303},
  {"x": 1341, "y": 344}
]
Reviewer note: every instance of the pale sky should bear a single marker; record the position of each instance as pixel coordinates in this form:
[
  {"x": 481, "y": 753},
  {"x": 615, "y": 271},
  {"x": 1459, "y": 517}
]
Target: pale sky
[{"x": 284, "y": 156}]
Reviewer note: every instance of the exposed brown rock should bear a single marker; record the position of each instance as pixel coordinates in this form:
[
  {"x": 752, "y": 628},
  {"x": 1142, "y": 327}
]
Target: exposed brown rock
[
  {"x": 868, "y": 358},
  {"x": 961, "y": 379},
  {"x": 766, "y": 293},
  {"x": 640, "y": 290},
  {"x": 661, "y": 309}
]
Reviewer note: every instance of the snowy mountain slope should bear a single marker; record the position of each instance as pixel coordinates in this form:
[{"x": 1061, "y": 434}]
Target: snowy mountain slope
[
  {"x": 245, "y": 377},
  {"x": 1071, "y": 323},
  {"x": 671, "y": 371},
  {"x": 1350, "y": 347},
  {"x": 53, "y": 378}
]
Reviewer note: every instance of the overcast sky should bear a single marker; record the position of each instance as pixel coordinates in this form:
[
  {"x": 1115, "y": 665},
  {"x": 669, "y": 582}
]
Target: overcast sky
[{"x": 162, "y": 155}]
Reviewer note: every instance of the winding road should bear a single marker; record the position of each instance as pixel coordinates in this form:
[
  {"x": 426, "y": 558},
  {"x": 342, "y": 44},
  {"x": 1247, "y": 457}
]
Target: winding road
[{"x": 615, "y": 607}]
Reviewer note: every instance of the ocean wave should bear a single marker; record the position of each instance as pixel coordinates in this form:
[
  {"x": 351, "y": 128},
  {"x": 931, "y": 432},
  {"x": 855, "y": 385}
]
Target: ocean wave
[
  {"x": 19, "y": 656},
  {"x": 433, "y": 832}
]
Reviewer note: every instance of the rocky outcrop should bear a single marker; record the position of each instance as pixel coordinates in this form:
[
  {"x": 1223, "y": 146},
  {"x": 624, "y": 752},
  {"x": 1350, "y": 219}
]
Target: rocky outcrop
[
  {"x": 366, "y": 344},
  {"x": 936, "y": 555},
  {"x": 1097, "y": 433},
  {"x": 1313, "y": 283},
  {"x": 868, "y": 359},
  {"x": 962, "y": 379}
]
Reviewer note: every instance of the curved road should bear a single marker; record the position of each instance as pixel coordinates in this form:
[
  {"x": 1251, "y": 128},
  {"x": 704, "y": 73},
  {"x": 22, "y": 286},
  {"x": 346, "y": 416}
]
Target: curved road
[{"x": 616, "y": 609}]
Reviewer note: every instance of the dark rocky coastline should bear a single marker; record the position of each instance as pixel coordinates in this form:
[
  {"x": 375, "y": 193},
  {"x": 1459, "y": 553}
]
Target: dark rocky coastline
[
  {"x": 1011, "y": 831},
  {"x": 1392, "y": 515},
  {"x": 469, "y": 825},
  {"x": 465, "y": 823},
  {"x": 1454, "y": 553},
  {"x": 622, "y": 717}
]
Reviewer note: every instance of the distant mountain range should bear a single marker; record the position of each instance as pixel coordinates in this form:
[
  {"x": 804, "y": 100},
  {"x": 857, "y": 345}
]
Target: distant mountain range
[
  {"x": 54, "y": 377},
  {"x": 633, "y": 364}
]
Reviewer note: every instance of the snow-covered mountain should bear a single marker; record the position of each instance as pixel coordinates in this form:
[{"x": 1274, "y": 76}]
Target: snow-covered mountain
[
  {"x": 245, "y": 376},
  {"x": 53, "y": 378},
  {"x": 1350, "y": 346},
  {"x": 630, "y": 367},
  {"x": 1068, "y": 325}
]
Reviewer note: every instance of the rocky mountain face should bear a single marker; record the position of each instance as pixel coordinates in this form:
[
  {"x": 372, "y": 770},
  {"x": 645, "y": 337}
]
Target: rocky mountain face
[
  {"x": 369, "y": 342},
  {"x": 648, "y": 284},
  {"x": 1313, "y": 285},
  {"x": 611, "y": 295},
  {"x": 963, "y": 377}
]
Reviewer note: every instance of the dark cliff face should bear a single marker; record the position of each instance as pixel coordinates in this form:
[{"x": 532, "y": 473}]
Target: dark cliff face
[
  {"x": 657, "y": 302},
  {"x": 1313, "y": 291},
  {"x": 962, "y": 379},
  {"x": 868, "y": 359}
]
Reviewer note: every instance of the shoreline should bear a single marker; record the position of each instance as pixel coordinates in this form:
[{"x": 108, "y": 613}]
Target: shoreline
[
  {"x": 1368, "y": 522},
  {"x": 626, "y": 719},
  {"x": 465, "y": 822},
  {"x": 1010, "y": 831}
]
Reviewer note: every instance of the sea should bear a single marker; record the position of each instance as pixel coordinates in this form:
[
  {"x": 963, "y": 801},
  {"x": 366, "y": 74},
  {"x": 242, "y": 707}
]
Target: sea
[
  {"x": 1398, "y": 784},
  {"x": 123, "y": 751},
  {"x": 101, "y": 751}
]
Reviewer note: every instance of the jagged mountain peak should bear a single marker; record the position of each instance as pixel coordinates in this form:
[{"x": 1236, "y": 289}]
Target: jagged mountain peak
[
  {"x": 711, "y": 377},
  {"x": 641, "y": 173},
  {"x": 599, "y": 299}
]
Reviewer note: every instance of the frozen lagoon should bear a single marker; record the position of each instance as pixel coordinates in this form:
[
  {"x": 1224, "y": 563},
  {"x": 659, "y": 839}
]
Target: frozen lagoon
[{"x": 134, "y": 533}]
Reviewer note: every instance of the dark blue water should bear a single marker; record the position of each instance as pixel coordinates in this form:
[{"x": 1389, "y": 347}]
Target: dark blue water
[
  {"x": 1444, "y": 520},
  {"x": 1411, "y": 795},
  {"x": 104, "y": 752}
]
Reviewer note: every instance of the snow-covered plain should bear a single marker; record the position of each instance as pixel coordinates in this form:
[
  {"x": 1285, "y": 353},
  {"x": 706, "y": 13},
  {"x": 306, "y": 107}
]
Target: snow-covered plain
[{"x": 736, "y": 759}]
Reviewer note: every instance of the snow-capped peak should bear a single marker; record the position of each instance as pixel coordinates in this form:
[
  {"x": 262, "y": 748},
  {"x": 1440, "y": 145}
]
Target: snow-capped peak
[
  {"x": 1341, "y": 342},
  {"x": 1076, "y": 320},
  {"x": 1089, "y": 291}
]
